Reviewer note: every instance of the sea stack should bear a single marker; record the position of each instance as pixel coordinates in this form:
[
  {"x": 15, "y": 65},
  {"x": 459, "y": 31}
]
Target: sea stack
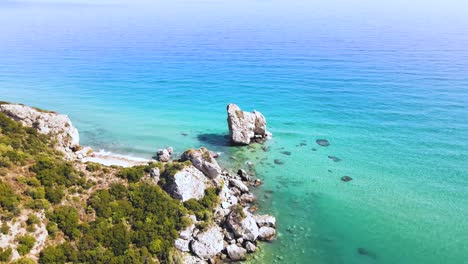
[{"x": 246, "y": 127}]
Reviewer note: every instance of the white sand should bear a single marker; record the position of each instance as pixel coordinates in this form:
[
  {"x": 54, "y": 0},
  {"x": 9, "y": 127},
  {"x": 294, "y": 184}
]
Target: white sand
[{"x": 109, "y": 158}]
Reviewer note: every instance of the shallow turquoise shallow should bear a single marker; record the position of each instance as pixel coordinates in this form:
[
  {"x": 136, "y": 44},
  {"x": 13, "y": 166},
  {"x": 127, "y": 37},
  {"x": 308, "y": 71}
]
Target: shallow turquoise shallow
[{"x": 391, "y": 96}]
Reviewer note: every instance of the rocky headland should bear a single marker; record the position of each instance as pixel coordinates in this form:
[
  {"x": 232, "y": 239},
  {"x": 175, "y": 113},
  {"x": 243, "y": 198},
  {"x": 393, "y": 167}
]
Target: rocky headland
[{"x": 226, "y": 227}]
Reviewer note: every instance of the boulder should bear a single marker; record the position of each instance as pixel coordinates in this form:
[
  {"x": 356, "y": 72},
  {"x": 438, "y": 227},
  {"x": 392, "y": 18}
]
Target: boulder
[
  {"x": 266, "y": 233},
  {"x": 203, "y": 160},
  {"x": 57, "y": 125},
  {"x": 239, "y": 185},
  {"x": 209, "y": 243},
  {"x": 187, "y": 183},
  {"x": 245, "y": 127},
  {"x": 250, "y": 247},
  {"x": 265, "y": 220},
  {"x": 236, "y": 253},
  {"x": 242, "y": 225},
  {"x": 187, "y": 258},
  {"x": 243, "y": 175},
  {"x": 163, "y": 155}
]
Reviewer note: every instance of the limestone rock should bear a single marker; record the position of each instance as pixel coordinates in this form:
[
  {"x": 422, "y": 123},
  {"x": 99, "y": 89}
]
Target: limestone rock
[
  {"x": 182, "y": 244},
  {"x": 236, "y": 253},
  {"x": 188, "y": 183},
  {"x": 250, "y": 247},
  {"x": 265, "y": 220},
  {"x": 203, "y": 160},
  {"x": 187, "y": 258},
  {"x": 84, "y": 152},
  {"x": 57, "y": 125},
  {"x": 245, "y": 127},
  {"x": 239, "y": 185},
  {"x": 163, "y": 155},
  {"x": 209, "y": 243},
  {"x": 267, "y": 233},
  {"x": 243, "y": 225}
]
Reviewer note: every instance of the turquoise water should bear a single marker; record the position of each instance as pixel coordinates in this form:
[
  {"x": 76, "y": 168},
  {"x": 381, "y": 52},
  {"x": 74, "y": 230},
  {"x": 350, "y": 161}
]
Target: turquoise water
[{"x": 387, "y": 85}]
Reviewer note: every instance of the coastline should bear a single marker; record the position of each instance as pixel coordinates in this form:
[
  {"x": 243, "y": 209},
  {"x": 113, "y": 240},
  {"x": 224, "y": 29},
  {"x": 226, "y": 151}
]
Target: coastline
[{"x": 231, "y": 233}]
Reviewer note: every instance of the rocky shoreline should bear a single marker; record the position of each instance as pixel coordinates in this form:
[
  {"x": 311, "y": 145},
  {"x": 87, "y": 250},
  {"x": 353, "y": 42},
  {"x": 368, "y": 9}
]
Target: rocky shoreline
[{"x": 235, "y": 229}]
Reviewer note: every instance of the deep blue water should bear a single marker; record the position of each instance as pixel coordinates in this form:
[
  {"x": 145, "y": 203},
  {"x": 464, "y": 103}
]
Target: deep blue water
[{"x": 385, "y": 83}]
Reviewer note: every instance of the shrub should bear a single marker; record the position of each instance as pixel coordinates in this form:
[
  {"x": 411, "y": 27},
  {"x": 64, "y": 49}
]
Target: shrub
[
  {"x": 132, "y": 174},
  {"x": 25, "y": 244},
  {"x": 8, "y": 198},
  {"x": 66, "y": 218},
  {"x": 5, "y": 254},
  {"x": 92, "y": 167}
]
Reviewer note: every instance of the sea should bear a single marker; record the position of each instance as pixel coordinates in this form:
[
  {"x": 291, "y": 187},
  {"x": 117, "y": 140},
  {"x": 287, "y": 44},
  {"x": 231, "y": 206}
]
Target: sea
[{"x": 384, "y": 82}]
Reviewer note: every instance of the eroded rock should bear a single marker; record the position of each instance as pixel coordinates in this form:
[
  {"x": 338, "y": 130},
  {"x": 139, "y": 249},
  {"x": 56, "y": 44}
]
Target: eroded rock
[
  {"x": 243, "y": 225},
  {"x": 246, "y": 127},
  {"x": 203, "y": 160}
]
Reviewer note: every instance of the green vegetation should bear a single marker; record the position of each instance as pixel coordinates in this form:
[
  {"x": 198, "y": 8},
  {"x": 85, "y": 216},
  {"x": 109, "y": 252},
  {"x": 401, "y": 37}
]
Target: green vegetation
[
  {"x": 92, "y": 167},
  {"x": 203, "y": 208},
  {"x": 129, "y": 222},
  {"x": 25, "y": 244},
  {"x": 8, "y": 198},
  {"x": 5, "y": 254}
]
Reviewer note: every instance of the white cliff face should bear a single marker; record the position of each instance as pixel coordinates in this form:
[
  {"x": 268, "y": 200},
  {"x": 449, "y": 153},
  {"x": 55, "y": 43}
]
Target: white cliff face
[
  {"x": 245, "y": 127},
  {"x": 57, "y": 125}
]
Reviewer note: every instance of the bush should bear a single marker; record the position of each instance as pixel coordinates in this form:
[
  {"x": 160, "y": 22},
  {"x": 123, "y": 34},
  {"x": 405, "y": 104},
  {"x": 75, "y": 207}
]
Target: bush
[
  {"x": 5, "y": 229},
  {"x": 5, "y": 254},
  {"x": 66, "y": 218},
  {"x": 54, "y": 194},
  {"x": 25, "y": 244},
  {"x": 132, "y": 174},
  {"x": 8, "y": 198},
  {"x": 92, "y": 167}
]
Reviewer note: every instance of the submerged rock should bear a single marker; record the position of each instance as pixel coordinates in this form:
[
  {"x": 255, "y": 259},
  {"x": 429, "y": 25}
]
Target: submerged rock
[
  {"x": 203, "y": 160},
  {"x": 278, "y": 162},
  {"x": 365, "y": 252},
  {"x": 246, "y": 127},
  {"x": 335, "y": 159},
  {"x": 323, "y": 142},
  {"x": 287, "y": 153},
  {"x": 45, "y": 122},
  {"x": 346, "y": 178}
]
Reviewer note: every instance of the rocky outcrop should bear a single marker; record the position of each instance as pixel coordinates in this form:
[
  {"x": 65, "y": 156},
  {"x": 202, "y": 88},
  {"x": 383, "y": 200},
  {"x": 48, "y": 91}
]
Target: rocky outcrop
[
  {"x": 187, "y": 183},
  {"x": 209, "y": 243},
  {"x": 57, "y": 125},
  {"x": 242, "y": 225},
  {"x": 203, "y": 160},
  {"x": 246, "y": 127}
]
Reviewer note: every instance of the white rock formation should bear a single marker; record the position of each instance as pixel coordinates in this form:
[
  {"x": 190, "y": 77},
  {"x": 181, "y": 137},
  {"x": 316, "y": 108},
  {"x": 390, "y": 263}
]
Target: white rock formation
[
  {"x": 267, "y": 233},
  {"x": 245, "y": 127},
  {"x": 209, "y": 243},
  {"x": 203, "y": 160},
  {"x": 57, "y": 125},
  {"x": 188, "y": 183},
  {"x": 243, "y": 225}
]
